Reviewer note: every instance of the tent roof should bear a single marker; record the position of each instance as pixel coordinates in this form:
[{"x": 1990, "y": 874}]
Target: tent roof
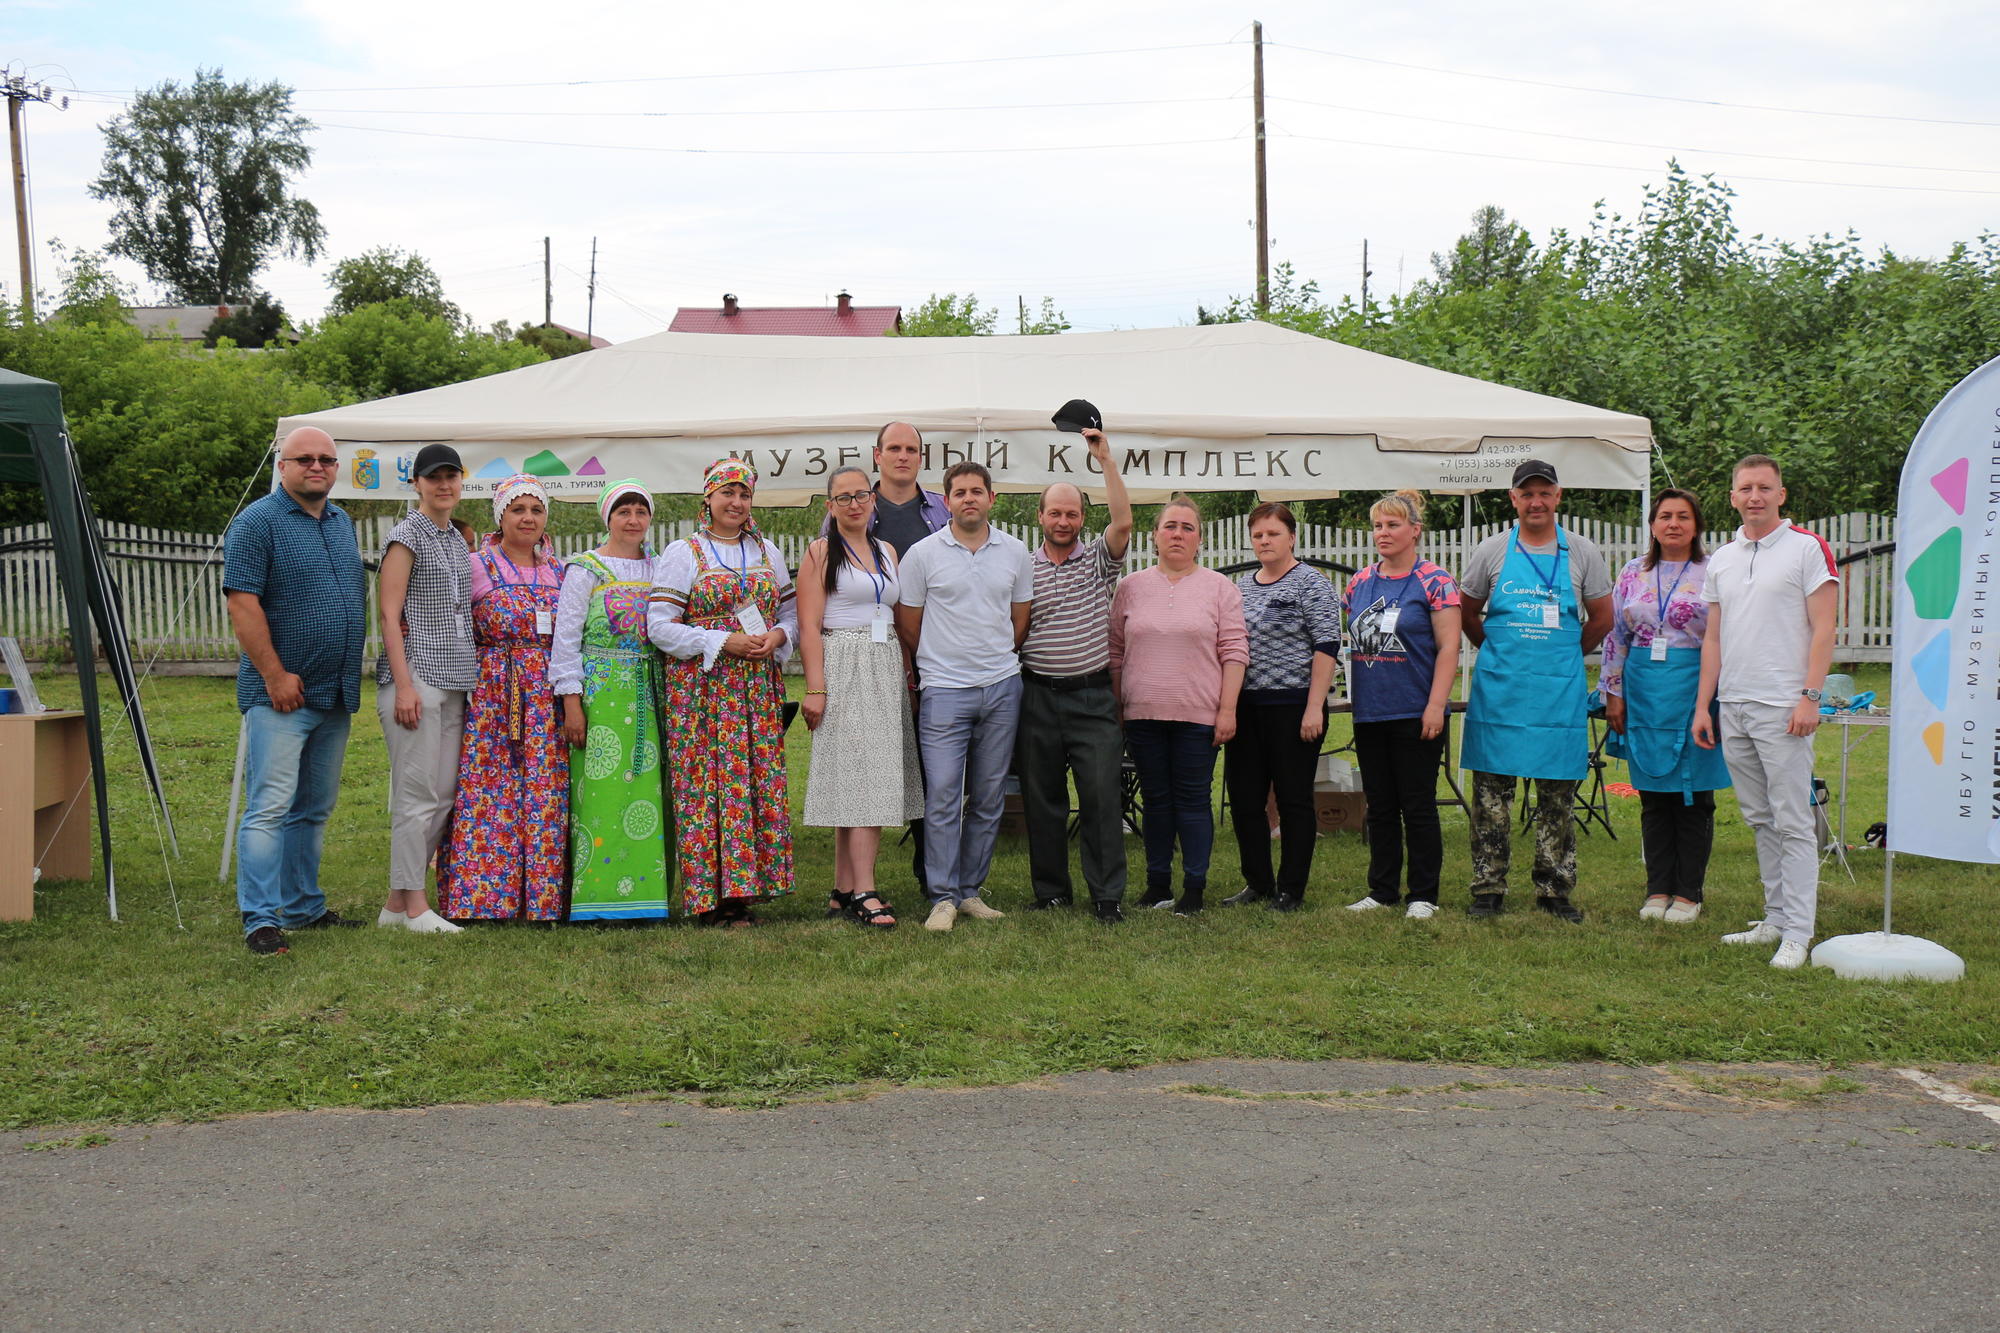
[
  {"x": 25, "y": 403},
  {"x": 1226, "y": 386}
]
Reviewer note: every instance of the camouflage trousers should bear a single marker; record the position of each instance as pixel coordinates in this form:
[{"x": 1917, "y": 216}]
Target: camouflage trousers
[{"x": 1493, "y": 835}]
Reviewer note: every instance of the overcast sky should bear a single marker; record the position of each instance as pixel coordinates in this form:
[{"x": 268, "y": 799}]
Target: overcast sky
[{"x": 1099, "y": 154}]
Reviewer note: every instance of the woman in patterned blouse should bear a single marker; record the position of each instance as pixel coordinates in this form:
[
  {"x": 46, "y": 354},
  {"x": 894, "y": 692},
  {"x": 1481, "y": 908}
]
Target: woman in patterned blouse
[{"x": 1652, "y": 666}]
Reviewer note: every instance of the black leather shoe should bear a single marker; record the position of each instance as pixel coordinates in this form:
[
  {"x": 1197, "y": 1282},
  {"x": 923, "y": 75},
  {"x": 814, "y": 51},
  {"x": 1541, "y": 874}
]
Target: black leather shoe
[
  {"x": 1559, "y": 906},
  {"x": 1108, "y": 913},
  {"x": 1049, "y": 904},
  {"x": 1243, "y": 899},
  {"x": 1189, "y": 904},
  {"x": 267, "y": 940},
  {"x": 1284, "y": 902},
  {"x": 1160, "y": 897},
  {"x": 1487, "y": 904},
  {"x": 327, "y": 920}
]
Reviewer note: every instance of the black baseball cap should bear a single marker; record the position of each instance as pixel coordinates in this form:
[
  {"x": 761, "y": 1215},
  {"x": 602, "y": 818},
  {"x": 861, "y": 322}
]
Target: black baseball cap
[
  {"x": 1077, "y": 416},
  {"x": 434, "y": 456},
  {"x": 1533, "y": 469}
]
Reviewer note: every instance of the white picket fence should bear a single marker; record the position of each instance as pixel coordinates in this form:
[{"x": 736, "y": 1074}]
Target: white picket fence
[{"x": 171, "y": 582}]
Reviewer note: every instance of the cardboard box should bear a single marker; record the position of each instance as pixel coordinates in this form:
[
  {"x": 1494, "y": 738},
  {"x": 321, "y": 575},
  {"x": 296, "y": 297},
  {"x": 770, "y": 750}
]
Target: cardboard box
[{"x": 1335, "y": 810}]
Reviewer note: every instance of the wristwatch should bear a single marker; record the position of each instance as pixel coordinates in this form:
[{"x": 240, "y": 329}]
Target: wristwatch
[{"x": 1811, "y": 696}]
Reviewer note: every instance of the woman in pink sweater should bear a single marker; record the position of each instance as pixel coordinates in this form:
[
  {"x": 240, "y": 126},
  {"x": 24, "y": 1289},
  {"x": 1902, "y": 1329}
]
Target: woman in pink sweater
[{"x": 1177, "y": 657}]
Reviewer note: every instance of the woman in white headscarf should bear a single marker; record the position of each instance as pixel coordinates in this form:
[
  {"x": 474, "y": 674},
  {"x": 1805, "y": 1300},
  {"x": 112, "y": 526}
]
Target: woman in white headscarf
[
  {"x": 606, "y": 675},
  {"x": 504, "y": 858}
]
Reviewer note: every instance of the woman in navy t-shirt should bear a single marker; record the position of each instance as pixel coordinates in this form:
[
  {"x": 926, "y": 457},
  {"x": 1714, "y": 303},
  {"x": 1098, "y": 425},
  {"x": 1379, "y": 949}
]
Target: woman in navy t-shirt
[{"x": 1402, "y": 625}]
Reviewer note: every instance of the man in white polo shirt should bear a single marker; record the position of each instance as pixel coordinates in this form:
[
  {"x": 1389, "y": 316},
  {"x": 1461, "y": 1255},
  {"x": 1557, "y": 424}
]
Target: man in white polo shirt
[
  {"x": 966, "y": 592},
  {"x": 1765, "y": 657}
]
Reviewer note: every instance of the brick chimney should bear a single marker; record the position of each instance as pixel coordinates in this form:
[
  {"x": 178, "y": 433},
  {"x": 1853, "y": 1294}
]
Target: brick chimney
[
  {"x": 729, "y": 303},
  {"x": 843, "y": 304}
]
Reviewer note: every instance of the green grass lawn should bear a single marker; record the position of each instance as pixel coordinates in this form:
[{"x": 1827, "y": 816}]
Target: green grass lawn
[{"x": 143, "y": 1020}]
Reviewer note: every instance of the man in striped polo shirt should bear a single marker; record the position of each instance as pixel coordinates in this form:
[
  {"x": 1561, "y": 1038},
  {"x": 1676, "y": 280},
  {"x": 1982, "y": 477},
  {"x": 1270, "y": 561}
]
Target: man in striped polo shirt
[{"x": 1069, "y": 715}]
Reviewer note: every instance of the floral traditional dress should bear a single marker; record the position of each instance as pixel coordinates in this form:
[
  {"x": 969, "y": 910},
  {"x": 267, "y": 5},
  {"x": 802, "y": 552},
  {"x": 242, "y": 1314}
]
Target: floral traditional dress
[
  {"x": 621, "y": 853},
  {"x": 725, "y": 726},
  {"x": 504, "y": 856}
]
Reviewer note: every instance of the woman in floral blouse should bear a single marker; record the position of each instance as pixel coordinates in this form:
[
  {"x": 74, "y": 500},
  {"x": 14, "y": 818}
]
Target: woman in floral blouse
[{"x": 1652, "y": 668}]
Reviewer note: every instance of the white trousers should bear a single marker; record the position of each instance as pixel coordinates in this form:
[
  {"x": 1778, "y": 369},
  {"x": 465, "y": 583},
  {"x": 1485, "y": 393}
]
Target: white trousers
[
  {"x": 423, "y": 779},
  {"x": 1773, "y": 773}
]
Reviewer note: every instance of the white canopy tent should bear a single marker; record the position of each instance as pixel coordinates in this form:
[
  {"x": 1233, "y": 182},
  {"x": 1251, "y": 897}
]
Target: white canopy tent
[{"x": 1226, "y": 407}]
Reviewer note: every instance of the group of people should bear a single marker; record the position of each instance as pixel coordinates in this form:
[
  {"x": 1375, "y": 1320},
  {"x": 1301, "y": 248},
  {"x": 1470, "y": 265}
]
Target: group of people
[{"x": 602, "y": 737}]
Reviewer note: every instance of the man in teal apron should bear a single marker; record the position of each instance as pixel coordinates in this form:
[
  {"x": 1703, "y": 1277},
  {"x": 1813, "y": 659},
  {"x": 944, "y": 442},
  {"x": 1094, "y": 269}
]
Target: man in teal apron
[{"x": 1536, "y": 599}]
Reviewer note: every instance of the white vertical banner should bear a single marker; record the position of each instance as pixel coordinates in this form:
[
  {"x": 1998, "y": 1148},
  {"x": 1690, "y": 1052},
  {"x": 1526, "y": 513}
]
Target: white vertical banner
[{"x": 1944, "y": 745}]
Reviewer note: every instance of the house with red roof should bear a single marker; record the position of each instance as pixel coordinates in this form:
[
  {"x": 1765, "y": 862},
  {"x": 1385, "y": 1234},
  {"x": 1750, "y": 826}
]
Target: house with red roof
[{"x": 843, "y": 320}]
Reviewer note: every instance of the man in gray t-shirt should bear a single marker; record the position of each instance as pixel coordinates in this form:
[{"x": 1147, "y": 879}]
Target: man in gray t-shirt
[{"x": 1525, "y": 713}]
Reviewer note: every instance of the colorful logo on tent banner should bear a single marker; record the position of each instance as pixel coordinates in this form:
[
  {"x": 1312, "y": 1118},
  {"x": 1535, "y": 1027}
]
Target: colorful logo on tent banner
[
  {"x": 558, "y": 477},
  {"x": 1944, "y": 739}
]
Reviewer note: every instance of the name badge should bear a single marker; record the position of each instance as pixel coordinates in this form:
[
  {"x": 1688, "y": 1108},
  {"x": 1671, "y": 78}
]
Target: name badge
[
  {"x": 1659, "y": 650},
  {"x": 878, "y": 632},
  {"x": 545, "y": 622},
  {"x": 1551, "y": 616},
  {"x": 752, "y": 620},
  {"x": 1388, "y": 622}
]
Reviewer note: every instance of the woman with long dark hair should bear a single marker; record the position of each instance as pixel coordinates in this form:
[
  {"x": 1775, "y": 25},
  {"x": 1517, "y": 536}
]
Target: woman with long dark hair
[
  {"x": 1652, "y": 669},
  {"x": 864, "y": 775}
]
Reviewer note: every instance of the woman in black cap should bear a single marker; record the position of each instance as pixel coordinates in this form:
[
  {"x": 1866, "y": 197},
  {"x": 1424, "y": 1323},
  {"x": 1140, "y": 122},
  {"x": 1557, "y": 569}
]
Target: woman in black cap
[{"x": 428, "y": 665}]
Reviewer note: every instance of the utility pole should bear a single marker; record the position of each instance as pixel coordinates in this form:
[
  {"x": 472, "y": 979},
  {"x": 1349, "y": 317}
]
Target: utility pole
[
  {"x": 1364, "y": 279},
  {"x": 548, "y": 287},
  {"x": 590, "y": 303},
  {"x": 18, "y": 92},
  {"x": 1263, "y": 212},
  {"x": 1021, "y": 304}
]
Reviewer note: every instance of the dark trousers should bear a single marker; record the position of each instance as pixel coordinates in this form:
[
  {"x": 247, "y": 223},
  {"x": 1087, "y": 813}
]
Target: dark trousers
[
  {"x": 1677, "y": 836},
  {"x": 1399, "y": 771},
  {"x": 1268, "y": 757},
  {"x": 1176, "y": 766},
  {"x": 1064, "y": 732}
]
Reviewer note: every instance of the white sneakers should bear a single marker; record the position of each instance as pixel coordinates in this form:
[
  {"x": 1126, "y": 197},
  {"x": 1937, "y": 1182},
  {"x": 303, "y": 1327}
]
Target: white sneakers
[
  {"x": 1760, "y": 932},
  {"x": 943, "y": 913},
  {"x": 428, "y": 922},
  {"x": 1420, "y": 911},
  {"x": 391, "y": 920},
  {"x": 1680, "y": 913},
  {"x": 1368, "y": 904},
  {"x": 978, "y": 910},
  {"x": 1654, "y": 910},
  {"x": 1790, "y": 954}
]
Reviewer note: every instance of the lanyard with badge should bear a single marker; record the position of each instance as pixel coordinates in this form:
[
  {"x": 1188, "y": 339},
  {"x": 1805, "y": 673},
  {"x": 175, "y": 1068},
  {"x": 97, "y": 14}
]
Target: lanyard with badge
[
  {"x": 1659, "y": 648},
  {"x": 747, "y": 614},
  {"x": 1394, "y": 611},
  {"x": 878, "y": 628},
  {"x": 545, "y": 619},
  {"x": 1551, "y": 609}
]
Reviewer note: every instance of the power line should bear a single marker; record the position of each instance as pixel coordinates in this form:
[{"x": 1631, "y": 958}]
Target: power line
[
  {"x": 772, "y": 152},
  {"x": 1612, "y": 166},
  {"x": 1627, "y": 92},
  {"x": 539, "y": 113},
  {"x": 1627, "y": 143}
]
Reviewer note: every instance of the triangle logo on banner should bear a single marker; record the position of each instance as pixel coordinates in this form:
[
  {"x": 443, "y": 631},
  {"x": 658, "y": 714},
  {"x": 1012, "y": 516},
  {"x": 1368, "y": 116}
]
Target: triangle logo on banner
[{"x": 1950, "y": 484}]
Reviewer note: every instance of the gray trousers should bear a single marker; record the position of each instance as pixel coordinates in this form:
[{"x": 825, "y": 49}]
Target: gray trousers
[
  {"x": 1064, "y": 732},
  {"x": 966, "y": 739},
  {"x": 1773, "y": 775},
  {"x": 423, "y": 779}
]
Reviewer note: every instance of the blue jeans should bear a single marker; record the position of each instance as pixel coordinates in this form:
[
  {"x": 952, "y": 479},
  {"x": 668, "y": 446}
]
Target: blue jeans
[
  {"x": 1176, "y": 765},
  {"x": 291, "y": 778},
  {"x": 967, "y": 740}
]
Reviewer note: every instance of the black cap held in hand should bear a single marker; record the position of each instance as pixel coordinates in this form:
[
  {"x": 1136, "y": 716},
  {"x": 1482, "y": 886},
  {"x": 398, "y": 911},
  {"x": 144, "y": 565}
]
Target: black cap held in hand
[
  {"x": 1077, "y": 416},
  {"x": 434, "y": 456},
  {"x": 1535, "y": 468}
]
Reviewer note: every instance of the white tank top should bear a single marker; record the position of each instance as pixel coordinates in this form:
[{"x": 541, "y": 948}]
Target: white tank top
[{"x": 852, "y": 605}]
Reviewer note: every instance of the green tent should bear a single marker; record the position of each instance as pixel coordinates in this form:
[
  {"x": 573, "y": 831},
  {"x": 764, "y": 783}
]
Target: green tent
[{"x": 35, "y": 450}]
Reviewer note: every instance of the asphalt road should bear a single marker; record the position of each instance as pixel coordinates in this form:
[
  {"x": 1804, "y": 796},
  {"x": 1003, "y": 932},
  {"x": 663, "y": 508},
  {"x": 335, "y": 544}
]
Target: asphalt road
[{"x": 1580, "y": 1197}]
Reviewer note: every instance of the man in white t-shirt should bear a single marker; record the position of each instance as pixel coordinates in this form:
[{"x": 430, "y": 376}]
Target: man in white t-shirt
[
  {"x": 963, "y": 610},
  {"x": 1765, "y": 656}
]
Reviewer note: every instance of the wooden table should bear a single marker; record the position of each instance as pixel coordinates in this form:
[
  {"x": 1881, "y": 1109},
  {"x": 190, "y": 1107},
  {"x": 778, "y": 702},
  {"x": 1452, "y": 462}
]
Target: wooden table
[{"x": 44, "y": 805}]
